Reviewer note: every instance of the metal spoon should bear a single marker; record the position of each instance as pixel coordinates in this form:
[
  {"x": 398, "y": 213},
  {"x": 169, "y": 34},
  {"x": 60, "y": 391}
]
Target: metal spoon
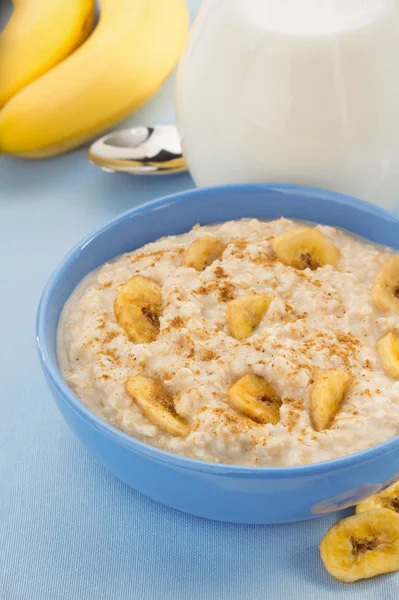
[{"x": 152, "y": 150}]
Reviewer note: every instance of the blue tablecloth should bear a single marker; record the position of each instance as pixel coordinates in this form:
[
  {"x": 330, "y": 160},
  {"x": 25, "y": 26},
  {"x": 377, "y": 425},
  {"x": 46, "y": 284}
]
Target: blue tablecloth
[{"x": 68, "y": 529}]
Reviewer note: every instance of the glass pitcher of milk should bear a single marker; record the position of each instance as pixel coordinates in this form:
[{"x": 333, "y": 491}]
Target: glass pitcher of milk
[{"x": 294, "y": 91}]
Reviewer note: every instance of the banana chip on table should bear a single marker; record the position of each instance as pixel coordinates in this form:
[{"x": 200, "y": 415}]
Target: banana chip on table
[
  {"x": 362, "y": 546},
  {"x": 388, "y": 498}
]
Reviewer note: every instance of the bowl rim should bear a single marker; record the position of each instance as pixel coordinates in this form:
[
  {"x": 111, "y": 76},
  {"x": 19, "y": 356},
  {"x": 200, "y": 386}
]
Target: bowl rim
[{"x": 54, "y": 376}]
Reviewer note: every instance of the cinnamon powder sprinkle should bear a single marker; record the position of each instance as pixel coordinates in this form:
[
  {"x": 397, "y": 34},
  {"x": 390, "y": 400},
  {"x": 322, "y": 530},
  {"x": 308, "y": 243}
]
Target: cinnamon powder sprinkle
[
  {"x": 178, "y": 322},
  {"x": 292, "y": 420},
  {"x": 224, "y": 289},
  {"x": 207, "y": 355},
  {"x": 165, "y": 399},
  {"x": 348, "y": 338},
  {"x": 240, "y": 243},
  {"x": 203, "y": 290},
  {"x": 264, "y": 260},
  {"x": 110, "y": 336},
  {"x": 158, "y": 254},
  {"x": 235, "y": 423},
  {"x": 239, "y": 246},
  {"x": 226, "y": 292},
  {"x": 220, "y": 273},
  {"x": 293, "y": 403},
  {"x": 112, "y": 354}
]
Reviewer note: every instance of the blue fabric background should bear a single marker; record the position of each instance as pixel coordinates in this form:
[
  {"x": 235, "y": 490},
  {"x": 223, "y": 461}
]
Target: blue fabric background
[{"x": 68, "y": 529}]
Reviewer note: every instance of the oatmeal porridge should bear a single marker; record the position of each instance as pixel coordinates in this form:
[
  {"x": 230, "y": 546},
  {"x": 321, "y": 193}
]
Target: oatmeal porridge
[{"x": 248, "y": 342}]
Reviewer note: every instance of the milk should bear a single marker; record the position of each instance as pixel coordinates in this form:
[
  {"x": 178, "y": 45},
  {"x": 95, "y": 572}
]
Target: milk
[{"x": 295, "y": 91}]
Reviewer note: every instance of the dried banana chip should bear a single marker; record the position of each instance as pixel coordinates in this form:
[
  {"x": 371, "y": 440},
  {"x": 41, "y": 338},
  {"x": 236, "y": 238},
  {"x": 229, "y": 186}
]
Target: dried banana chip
[
  {"x": 138, "y": 307},
  {"x": 255, "y": 398},
  {"x": 203, "y": 252},
  {"x": 362, "y": 546},
  {"x": 327, "y": 395},
  {"x": 304, "y": 247},
  {"x": 157, "y": 404},
  {"x": 386, "y": 286},
  {"x": 245, "y": 313}
]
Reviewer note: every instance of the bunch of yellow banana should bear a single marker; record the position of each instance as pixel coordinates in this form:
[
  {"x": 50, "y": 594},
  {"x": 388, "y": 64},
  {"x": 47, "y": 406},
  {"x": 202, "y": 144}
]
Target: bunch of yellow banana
[{"x": 59, "y": 89}]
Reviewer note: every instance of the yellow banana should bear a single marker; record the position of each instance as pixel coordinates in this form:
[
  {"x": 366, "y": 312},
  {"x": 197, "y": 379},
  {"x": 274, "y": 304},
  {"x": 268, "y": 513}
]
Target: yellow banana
[
  {"x": 38, "y": 36},
  {"x": 133, "y": 49}
]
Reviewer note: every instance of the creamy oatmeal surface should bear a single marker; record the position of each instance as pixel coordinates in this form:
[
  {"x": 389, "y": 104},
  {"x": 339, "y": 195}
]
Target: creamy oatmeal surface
[{"x": 316, "y": 321}]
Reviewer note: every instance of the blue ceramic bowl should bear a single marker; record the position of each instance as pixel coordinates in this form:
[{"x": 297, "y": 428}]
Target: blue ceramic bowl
[{"x": 222, "y": 492}]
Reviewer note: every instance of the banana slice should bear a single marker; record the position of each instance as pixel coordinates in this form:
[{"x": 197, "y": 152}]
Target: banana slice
[
  {"x": 327, "y": 396},
  {"x": 255, "y": 398},
  {"x": 138, "y": 307},
  {"x": 362, "y": 546},
  {"x": 386, "y": 286},
  {"x": 245, "y": 313},
  {"x": 157, "y": 404},
  {"x": 203, "y": 252},
  {"x": 388, "y": 498},
  {"x": 388, "y": 349},
  {"x": 305, "y": 247}
]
